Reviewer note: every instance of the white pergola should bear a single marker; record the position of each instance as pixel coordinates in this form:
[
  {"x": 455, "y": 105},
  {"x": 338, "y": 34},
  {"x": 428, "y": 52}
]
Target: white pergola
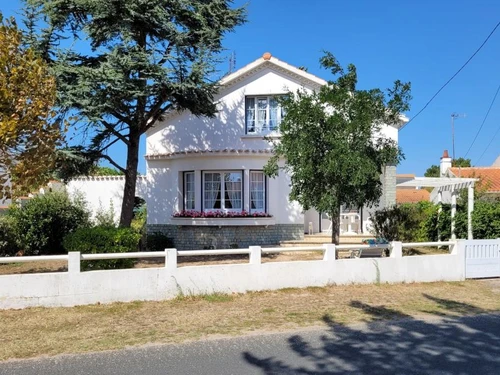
[{"x": 452, "y": 185}]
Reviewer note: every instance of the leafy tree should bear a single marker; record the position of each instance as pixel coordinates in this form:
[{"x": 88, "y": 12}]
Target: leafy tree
[
  {"x": 29, "y": 134},
  {"x": 461, "y": 162},
  {"x": 147, "y": 58},
  {"x": 329, "y": 146},
  {"x": 433, "y": 171}
]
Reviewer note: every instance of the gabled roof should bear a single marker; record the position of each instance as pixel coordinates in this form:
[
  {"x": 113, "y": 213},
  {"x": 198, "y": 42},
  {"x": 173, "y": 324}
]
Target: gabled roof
[
  {"x": 269, "y": 61},
  {"x": 489, "y": 177},
  {"x": 412, "y": 195},
  {"x": 496, "y": 163}
]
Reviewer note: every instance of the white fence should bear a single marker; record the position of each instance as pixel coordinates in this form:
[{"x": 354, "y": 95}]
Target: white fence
[
  {"x": 79, "y": 288},
  {"x": 482, "y": 258}
]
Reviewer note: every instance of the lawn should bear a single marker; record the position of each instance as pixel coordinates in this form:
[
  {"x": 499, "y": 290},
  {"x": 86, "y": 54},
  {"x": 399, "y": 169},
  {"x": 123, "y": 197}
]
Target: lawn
[{"x": 49, "y": 331}]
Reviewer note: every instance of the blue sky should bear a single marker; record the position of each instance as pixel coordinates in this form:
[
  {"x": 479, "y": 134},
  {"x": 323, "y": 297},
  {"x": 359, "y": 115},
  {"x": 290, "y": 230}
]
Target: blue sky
[{"x": 424, "y": 42}]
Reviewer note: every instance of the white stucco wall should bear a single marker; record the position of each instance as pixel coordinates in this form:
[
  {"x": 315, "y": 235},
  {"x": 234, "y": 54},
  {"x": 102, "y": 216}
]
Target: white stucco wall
[
  {"x": 100, "y": 192},
  {"x": 164, "y": 186}
]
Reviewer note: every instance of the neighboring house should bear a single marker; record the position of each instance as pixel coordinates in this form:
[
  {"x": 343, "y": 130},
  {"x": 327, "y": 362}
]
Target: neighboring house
[
  {"x": 489, "y": 177},
  {"x": 216, "y": 164},
  {"x": 404, "y": 195},
  {"x": 409, "y": 194}
]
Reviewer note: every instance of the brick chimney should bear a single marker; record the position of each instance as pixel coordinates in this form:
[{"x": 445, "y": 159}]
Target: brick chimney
[{"x": 445, "y": 163}]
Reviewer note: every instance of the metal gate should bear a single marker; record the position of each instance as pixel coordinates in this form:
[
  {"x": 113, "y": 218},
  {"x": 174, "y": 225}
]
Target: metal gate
[{"x": 482, "y": 258}]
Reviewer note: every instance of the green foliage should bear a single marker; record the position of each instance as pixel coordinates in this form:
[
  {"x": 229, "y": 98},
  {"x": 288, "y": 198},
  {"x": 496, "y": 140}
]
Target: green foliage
[
  {"x": 8, "y": 241},
  {"x": 461, "y": 162},
  {"x": 486, "y": 219},
  {"x": 130, "y": 62},
  {"x": 158, "y": 242},
  {"x": 99, "y": 170},
  {"x": 105, "y": 217},
  {"x": 327, "y": 143},
  {"x": 422, "y": 222},
  {"x": 103, "y": 240},
  {"x": 432, "y": 171},
  {"x": 398, "y": 223},
  {"x": 43, "y": 221}
]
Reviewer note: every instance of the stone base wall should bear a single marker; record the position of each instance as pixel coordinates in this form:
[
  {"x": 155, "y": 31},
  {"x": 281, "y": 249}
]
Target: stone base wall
[{"x": 226, "y": 237}]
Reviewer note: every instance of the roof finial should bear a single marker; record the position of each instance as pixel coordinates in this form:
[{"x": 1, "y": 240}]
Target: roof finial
[{"x": 267, "y": 56}]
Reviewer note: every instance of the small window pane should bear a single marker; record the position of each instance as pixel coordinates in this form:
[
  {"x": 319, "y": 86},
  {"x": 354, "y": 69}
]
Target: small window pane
[
  {"x": 250, "y": 114},
  {"x": 189, "y": 193},
  {"x": 212, "y": 194}
]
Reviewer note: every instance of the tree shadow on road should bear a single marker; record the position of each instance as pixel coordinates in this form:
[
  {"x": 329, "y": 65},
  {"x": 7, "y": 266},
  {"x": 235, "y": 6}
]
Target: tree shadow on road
[{"x": 398, "y": 345}]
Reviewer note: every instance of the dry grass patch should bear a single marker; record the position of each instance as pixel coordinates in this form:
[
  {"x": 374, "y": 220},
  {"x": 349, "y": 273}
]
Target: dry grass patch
[
  {"x": 34, "y": 267},
  {"x": 38, "y": 331}
]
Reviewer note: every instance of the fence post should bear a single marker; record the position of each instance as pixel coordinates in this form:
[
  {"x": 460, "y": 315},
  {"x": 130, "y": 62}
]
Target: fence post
[
  {"x": 74, "y": 258},
  {"x": 330, "y": 252},
  {"x": 171, "y": 259},
  {"x": 396, "y": 249},
  {"x": 255, "y": 254}
]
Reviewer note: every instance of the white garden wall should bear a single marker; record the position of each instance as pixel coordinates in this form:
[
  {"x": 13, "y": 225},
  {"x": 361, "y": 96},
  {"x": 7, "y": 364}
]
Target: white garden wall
[
  {"x": 102, "y": 192},
  {"x": 78, "y": 288}
]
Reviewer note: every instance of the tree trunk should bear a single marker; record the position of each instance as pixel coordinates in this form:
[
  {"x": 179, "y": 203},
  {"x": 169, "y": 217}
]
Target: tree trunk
[
  {"x": 127, "y": 213},
  {"x": 335, "y": 218}
]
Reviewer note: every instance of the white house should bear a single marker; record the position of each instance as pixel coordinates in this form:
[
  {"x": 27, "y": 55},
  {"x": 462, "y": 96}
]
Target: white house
[{"x": 215, "y": 164}]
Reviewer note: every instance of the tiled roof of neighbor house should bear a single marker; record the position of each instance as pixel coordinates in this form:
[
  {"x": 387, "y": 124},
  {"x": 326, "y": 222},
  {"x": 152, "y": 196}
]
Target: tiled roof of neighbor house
[
  {"x": 412, "y": 195},
  {"x": 489, "y": 176},
  {"x": 405, "y": 175}
]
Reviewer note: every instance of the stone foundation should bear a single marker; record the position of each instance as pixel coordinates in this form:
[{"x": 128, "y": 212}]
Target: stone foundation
[{"x": 192, "y": 237}]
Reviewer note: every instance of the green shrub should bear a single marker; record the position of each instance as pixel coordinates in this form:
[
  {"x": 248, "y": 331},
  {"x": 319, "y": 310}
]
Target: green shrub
[
  {"x": 103, "y": 240},
  {"x": 486, "y": 219},
  {"x": 397, "y": 223},
  {"x": 42, "y": 222},
  {"x": 158, "y": 242},
  {"x": 8, "y": 242},
  {"x": 105, "y": 217}
]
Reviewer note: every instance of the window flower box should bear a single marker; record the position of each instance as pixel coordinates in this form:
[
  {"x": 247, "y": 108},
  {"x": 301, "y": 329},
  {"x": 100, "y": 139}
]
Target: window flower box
[{"x": 222, "y": 218}]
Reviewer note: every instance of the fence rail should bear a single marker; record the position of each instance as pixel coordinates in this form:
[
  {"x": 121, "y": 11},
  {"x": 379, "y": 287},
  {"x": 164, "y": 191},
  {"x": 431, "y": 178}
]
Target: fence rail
[
  {"x": 166, "y": 281},
  {"x": 428, "y": 244},
  {"x": 187, "y": 253}
]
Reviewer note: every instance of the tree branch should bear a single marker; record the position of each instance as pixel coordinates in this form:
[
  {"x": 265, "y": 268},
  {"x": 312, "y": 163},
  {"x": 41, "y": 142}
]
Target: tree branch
[
  {"x": 155, "y": 113},
  {"x": 112, "y": 162},
  {"x": 113, "y": 131}
]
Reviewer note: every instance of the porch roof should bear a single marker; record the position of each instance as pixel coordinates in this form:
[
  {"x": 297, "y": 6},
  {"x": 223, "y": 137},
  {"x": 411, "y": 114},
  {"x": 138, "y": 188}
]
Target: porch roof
[{"x": 446, "y": 183}]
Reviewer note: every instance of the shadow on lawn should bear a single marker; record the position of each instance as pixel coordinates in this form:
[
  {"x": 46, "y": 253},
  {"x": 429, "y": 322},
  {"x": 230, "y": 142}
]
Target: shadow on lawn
[{"x": 400, "y": 346}]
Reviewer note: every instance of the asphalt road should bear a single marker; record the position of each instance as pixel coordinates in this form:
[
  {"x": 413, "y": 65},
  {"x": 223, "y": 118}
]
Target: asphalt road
[{"x": 439, "y": 346}]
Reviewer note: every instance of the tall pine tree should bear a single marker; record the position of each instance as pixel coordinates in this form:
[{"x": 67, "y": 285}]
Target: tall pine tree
[{"x": 129, "y": 63}]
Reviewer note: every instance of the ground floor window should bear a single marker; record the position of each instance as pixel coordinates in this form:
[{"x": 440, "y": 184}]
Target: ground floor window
[
  {"x": 223, "y": 190},
  {"x": 257, "y": 191},
  {"x": 189, "y": 190}
]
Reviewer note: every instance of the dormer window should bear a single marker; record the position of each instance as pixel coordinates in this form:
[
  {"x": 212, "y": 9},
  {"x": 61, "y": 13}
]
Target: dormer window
[{"x": 263, "y": 114}]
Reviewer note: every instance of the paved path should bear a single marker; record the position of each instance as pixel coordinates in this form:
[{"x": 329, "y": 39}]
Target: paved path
[{"x": 445, "y": 346}]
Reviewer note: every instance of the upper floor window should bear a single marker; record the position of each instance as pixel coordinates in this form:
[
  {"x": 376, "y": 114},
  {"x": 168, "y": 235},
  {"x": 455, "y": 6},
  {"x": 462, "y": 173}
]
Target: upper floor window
[{"x": 263, "y": 114}]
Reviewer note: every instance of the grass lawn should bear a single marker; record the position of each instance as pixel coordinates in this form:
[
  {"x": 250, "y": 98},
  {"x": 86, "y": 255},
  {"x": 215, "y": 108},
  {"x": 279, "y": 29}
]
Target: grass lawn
[{"x": 49, "y": 331}]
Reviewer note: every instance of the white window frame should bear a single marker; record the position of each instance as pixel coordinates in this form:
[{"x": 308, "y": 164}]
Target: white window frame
[
  {"x": 265, "y": 129},
  {"x": 185, "y": 191},
  {"x": 264, "y": 190},
  {"x": 223, "y": 191}
]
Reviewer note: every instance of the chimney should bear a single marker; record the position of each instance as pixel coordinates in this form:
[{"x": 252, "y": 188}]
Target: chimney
[{"x": 445, "y": 164}]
